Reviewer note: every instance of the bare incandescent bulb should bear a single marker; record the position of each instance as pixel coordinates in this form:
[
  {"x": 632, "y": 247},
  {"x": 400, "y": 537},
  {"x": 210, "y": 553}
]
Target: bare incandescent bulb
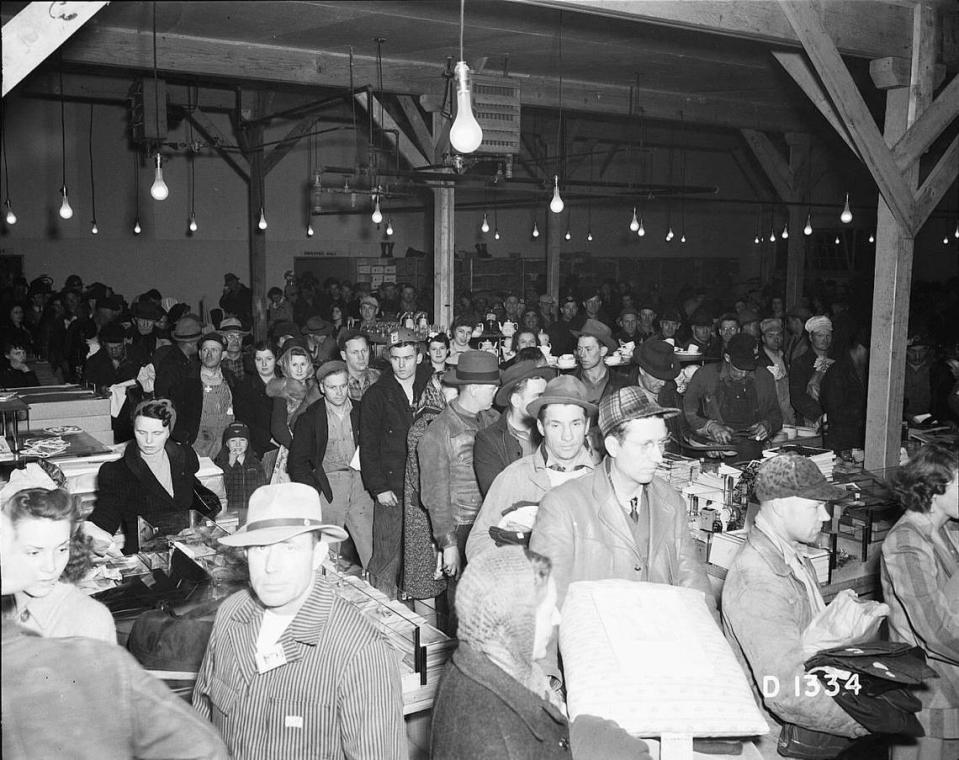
[
  {"x": 683, "y": 238},
  {"x": 772, "y": 235},
  {"x": 377, "y": 215},
  {"x": 466, "y": 133},
  {"x": 262, "y": 225},
  {"x": 807, "y": 230},
  {"x": 956, "y": 233},
  {"x": 756, "y": 240},
  {"x": 837, "y": 240},
  {"x": 309, "y": 230},
  {"x": 9, "y": 217},
  {"x": 66, "y": 210},
  {"x": 568, "y": 235},
  {"x": 496, "y": 234},
  {"x": 872, "y": 238},
  {"x": 846, "y": 216},
  {"x": 785, "y": 233},
  {"x": 945, "y": 239},
  {"x": 389, "y": 227},
  {"x": 158, "y": 190},
  {"x": 642, "y": 228},
  {"x": 94, "y": 230},
  {"x": 556, "y": 205},
  {"x": 137, "y": 229},
  {"x": 485, "y": 225},
  {"x": 589, "y": 236},
  {"x": 192, "y": 226},
  {"x": 634, "y": 222},
  {"x": 535, "y": 230},
  {"x": 670, "y": 235}
]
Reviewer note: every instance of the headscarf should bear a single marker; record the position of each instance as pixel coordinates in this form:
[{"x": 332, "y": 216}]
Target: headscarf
[
  {"x": 496, "y": 602},
  {"x": 818, "y": 324}
]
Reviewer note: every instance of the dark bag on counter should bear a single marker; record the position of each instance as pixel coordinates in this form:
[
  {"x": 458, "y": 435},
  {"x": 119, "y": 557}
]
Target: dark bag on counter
[
  {"x": 205, "y": 501},
  {"x": 806, "y": 744},
  {"x": 162, "y": 640}
]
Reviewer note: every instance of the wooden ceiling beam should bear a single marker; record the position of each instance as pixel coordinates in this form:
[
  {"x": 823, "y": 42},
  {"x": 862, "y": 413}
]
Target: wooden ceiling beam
[
  {"x": 937, "y": 183},
  {"x": 274, "y": 64},
  {"x": 927, "y": 128},
  {"x": 808, "y": 24},
  {"x": 424, "y": 140},
  {"x": 395, "y": 134},
  {"x": 872, "y": 29},
  {"x": 772, "y": 161},
  {"x": 302, "y": 128},
  {"x": 211, "y": 133},
  {"x": 36, "y": 32}
]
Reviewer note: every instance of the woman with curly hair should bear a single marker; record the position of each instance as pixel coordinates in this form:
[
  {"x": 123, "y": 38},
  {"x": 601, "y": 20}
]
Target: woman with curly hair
[
  {"x": 920, "y": 583},
  {"x": 291, "y": 395},
  {"x": 46, "y": 526}
]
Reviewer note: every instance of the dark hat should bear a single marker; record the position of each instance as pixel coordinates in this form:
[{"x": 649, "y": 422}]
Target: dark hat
[
  {"x": 658, "y": 358},
  {"x": 474, "y": 368},
  {"x": 346, "y": 336},
  {"x": 568, "y": 298},
  {"x": 284, "y": 327},
  {"x": 461, "y": 321},
  {"x": 402, "y": 335},
  {"x": 112, "y": 332},
  {"x": 793, "y": 475},
  {"x": 215, "y": 337},
  {"x": 147, "y": 310},
  {"x": 647, "y": 307},
  {"x": 518, "y": 372},
  {"x": 596, "y": 329},
  {"x": 316, "y": 325},
  {"x": 742, "y": 351},
  {"x": 229, "y": 277},
  {"x": 233, "y": 324},
  {"x": 747, "y": 315},
  {"x": 629, "y": 403},
  {"x": 73, "y": 281},
  {"x": 629, "y": 310},
  {"x": 188, "y": 327},
  {"x": 177, "y": 311},
  {"x": 671, "y": 315},
  {"x": 701, "y": 317},
  {"x": 329, "y": 368},
  {"x": 565, "y": 389},
  {"x": 236, "y": 430},
  {"x": 295, "y": 346},
  {"x": 113, "y": 303},
  {"x": 42, "y": 284}
]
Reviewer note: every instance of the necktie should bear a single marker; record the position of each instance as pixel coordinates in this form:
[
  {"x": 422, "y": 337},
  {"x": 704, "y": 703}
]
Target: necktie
[
  {"x": 633, "y": 509},
  {"x": 557, "y": 468}
]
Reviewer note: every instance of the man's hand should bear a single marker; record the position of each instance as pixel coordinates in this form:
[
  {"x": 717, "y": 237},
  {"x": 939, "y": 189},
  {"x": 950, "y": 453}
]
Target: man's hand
[
  {"x": 388, "y": 499},
  {"x": 759, "y": 431},
  {"x": 104, "y": 544},
  {"x": 451, "y": 561},
  {"x": 719, "y": 432}
]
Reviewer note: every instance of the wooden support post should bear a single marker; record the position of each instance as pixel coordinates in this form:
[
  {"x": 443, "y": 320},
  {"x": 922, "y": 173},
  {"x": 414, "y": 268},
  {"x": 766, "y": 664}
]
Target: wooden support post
[
  {"x": 443, "y": 249},
  {"x": 256, "y": 195},
  {"x": 799, "y": 158},
  {"x": 554, "y": 236},
  {"x": 894, "y": 253}
]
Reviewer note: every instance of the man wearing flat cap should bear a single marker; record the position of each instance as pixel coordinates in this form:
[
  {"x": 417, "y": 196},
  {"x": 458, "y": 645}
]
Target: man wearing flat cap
[
  {"x": 621, "y": 521},
  {"x": 318, "y": 334},
  {"x": 325, "y": 439},
  {"x": 771, "y": 594},
  {"x": 384, "y": 425},
  {"x": 448, "y": 486},
  {"x": 733, "y": 403},
  {"x": 292, "y": 670},
  {"x": 562, "y": 416},
  {"x": 514, "y": 434},
  {"x": 808, "y": 370}
]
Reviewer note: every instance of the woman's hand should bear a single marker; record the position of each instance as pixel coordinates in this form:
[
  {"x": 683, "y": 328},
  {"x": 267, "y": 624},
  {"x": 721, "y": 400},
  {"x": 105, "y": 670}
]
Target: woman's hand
[
  {"x": 104, "y": 545},
  {"x": 452, "y": 564}
]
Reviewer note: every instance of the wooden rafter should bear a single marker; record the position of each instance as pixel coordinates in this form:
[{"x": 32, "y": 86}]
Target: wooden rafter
[
  {"x": 423, "y": 138},
  {"x": 937, "y": 183},
  {"x": 807, "y": 22},
  {"x": 385, "y": 121},
  {"x": 289, "y": 142},
  {"x": 211, "y": 133},
  {"x": 772, "y": 161},
  {"x": 940, "y": 114}
]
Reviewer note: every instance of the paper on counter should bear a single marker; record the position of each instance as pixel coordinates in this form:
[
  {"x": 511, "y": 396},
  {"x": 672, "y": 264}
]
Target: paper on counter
[{"x": 118, "y": 395}]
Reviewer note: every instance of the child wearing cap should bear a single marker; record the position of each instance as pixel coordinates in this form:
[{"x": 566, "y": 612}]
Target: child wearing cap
[{"x": 242, "y": 471}]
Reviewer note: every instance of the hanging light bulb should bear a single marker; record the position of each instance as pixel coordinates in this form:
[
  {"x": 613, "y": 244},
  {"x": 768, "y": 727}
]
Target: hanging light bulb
[
  {"x": 634, "y": 222},
  {"x": 556, "y": 205},
  {"x": 772, "y": 235},
  {"x": 377, "y": 215},
  {"x": 872, "y": 238},
  {"x": 642, "y": 228},
  {"x": 756, "y": 240},
  {"x": 158, "y": 189},
  {"x": 589, "y": 236},
  {"x": 568, "y": 235},
  {"x": 846, "y": 216},
  {"x": 262, "y": 223},
  {"x": 496, "y": 234},
  {"x": 682, "y": 239},
  {"x": 137, "y": 229},
  {"x": 785, "y": 233},
  {"x": 192, "y": 226},
  {"x": 66, "y": 210},
  {"x": 9, "y": 217},
  {"x": 837, "y": 240},
  {"x": 466, "y": 133},
  {"x": 94, "y": 230},
  {"x": 389, "y": 226},
  {"x": 485, "y": 225},
  {"x": 670, "y": 235},
  {"x": 945, "y": 239},
  {"x": 309, "y": 230},
  {"x": 535, "y": 230},
  {"x": 807, "y": 230},
  {"x": 954, "y": 234}
]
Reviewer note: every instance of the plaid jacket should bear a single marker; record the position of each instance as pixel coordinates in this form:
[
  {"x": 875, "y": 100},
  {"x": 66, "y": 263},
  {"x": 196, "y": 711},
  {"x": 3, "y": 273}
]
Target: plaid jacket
[
  {"x": 240, "y": 480},
  {"x": 916, "y": 566}
]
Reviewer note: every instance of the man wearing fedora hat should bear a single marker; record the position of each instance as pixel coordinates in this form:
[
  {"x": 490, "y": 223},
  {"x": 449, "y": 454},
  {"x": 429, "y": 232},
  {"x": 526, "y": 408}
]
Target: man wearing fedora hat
[
  {"x": 593, "y": 344},
  {"x": 177, "y": 362},
  {"x": 621, "y": 520},
  {"x": 514, "y": 434},
  {"x": 731, "y": 403},
  {"x": 145, "y": 314},
  {"x": 562, "y": 416},
  {"x": 293, "y": 670},
  {"x": 654, "y": 372},
  {"x": 234, "y": 358},
  {"x": 318, "y": 334},
  {"x": 384, "y": 425},
  {"x": 448, "y": 486}
]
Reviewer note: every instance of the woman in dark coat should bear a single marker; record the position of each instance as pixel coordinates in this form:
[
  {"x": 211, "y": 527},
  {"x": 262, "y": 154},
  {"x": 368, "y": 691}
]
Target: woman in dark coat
[
  {"x": 494, "y": 702},
  {"x": 153, "y": 479},
  {"x": 843, "y": 397},
  {"x": 251, "y": 404}
]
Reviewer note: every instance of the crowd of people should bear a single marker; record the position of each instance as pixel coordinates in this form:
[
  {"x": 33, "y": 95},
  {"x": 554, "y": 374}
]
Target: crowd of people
[{"x": 486, "y": 470}]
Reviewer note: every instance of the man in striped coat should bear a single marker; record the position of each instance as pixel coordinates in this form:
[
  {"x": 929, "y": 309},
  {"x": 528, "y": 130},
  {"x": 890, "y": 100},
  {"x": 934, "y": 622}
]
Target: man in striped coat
[{"x": 292, "y": 670}]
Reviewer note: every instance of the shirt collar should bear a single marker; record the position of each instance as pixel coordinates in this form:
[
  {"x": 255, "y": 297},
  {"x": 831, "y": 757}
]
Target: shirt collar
[{"x": 583, "y": 460}]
